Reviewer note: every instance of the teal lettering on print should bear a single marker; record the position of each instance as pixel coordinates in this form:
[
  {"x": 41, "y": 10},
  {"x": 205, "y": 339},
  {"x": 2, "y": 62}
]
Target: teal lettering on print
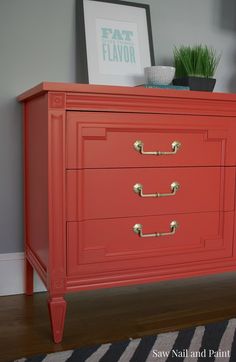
[
  {"x": 117, "y": 45},
  {"x": 106, "y": 32},
  {"x": 127, "y": 34},
  {"x": 118, "y": 53},
  {"x": 116, "y": 34}
]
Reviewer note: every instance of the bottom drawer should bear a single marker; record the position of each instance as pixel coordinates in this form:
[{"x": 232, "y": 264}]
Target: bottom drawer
[{"x": 99, "y": 247}]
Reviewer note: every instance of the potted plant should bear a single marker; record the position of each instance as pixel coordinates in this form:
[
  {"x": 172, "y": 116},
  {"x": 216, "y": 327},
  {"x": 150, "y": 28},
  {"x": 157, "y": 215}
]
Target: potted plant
[{"x": 195, "y": 67}]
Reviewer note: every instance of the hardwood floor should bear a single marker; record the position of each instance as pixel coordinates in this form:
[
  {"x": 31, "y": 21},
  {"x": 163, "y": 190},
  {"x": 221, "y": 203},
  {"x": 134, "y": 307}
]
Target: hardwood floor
[{"x": 114, "y": 314}]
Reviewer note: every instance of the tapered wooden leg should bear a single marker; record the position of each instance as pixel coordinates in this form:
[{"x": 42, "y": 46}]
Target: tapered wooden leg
[
  {"x": 57, "y": 311},
  {"x": 29, "y": 278}
]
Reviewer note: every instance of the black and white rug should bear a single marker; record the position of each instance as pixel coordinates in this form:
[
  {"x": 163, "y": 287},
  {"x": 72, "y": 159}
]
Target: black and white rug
[{"x": 213, "y": 342}]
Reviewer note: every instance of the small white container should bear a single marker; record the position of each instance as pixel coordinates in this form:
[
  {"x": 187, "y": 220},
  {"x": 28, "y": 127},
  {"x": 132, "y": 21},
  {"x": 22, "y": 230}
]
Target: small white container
[{"x": 159, "y": 74}]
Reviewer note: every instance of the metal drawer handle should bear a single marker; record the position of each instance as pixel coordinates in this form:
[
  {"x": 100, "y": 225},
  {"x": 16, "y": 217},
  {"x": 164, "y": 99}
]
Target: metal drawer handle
[
  {"x": 138, "y": 230},
  {"x": 138, "y": 145},
  {"x": 138, "y": 189}
]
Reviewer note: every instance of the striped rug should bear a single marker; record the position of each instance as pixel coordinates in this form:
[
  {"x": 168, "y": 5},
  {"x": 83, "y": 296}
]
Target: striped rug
[{"x": 213, "y": 342}]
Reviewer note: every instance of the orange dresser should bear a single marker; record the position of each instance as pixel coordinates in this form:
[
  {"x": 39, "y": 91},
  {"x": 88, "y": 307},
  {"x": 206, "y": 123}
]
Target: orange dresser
[{"x": 125, "y": 186}]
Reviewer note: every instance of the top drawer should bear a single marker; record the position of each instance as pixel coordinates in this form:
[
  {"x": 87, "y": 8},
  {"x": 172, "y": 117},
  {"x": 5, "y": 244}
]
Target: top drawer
[{"x": 114, "y": 140}]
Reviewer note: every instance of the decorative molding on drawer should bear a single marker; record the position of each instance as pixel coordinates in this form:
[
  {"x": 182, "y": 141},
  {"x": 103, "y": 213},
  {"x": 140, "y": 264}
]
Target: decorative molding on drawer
[
  {"x": 149, "y": 104},
  {"x": 12, "y": 275},
  {"x": 104, "y": 250},
  {"x": 108, "y": 141}
]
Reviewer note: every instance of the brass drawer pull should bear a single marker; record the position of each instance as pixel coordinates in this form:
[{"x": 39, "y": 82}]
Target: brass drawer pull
[
  {"x": 138, "y": 145},
  {"x": 138, "y": 230},
  {"x": 138, "y": 189}
]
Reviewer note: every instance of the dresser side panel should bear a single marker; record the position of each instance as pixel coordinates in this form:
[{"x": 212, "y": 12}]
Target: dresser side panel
[
  {"x": 56, "y": 196},
  {"x": 36, "y": 178}
]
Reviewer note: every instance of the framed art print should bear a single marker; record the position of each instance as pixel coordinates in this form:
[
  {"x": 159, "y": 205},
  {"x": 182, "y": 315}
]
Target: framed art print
[{"x": 114, "y": 42}]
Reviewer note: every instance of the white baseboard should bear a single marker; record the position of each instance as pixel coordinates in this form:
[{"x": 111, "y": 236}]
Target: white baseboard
[{"x": 12, "y": 275}]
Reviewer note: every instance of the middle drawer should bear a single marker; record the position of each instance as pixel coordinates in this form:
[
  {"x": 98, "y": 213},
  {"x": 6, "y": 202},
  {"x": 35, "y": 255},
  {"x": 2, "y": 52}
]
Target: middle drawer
[{"x": 111, "y": 193}]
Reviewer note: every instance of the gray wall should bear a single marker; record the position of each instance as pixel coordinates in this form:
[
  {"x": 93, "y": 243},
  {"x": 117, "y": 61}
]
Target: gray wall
[{"x": 37, "y": 42}]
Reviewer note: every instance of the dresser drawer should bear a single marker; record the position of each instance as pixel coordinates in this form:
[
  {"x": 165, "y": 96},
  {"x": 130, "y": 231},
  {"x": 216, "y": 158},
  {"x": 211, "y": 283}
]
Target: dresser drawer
[
  {"x": 98, "y": 194},
  {"x": 114, "y": 140},
  {"x": 111, "y": 245}
]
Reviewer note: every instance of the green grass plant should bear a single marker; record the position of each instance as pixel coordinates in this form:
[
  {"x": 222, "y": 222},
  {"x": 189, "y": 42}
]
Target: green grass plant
[{"x": 197, "y": 61}]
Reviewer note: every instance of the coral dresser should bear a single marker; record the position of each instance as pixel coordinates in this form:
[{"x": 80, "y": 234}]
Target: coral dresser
[{"x": 125, "y": 186}]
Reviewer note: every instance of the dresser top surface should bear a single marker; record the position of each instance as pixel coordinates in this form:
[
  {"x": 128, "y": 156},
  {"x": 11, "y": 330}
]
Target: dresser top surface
[{"x": 45, "y": 87}]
